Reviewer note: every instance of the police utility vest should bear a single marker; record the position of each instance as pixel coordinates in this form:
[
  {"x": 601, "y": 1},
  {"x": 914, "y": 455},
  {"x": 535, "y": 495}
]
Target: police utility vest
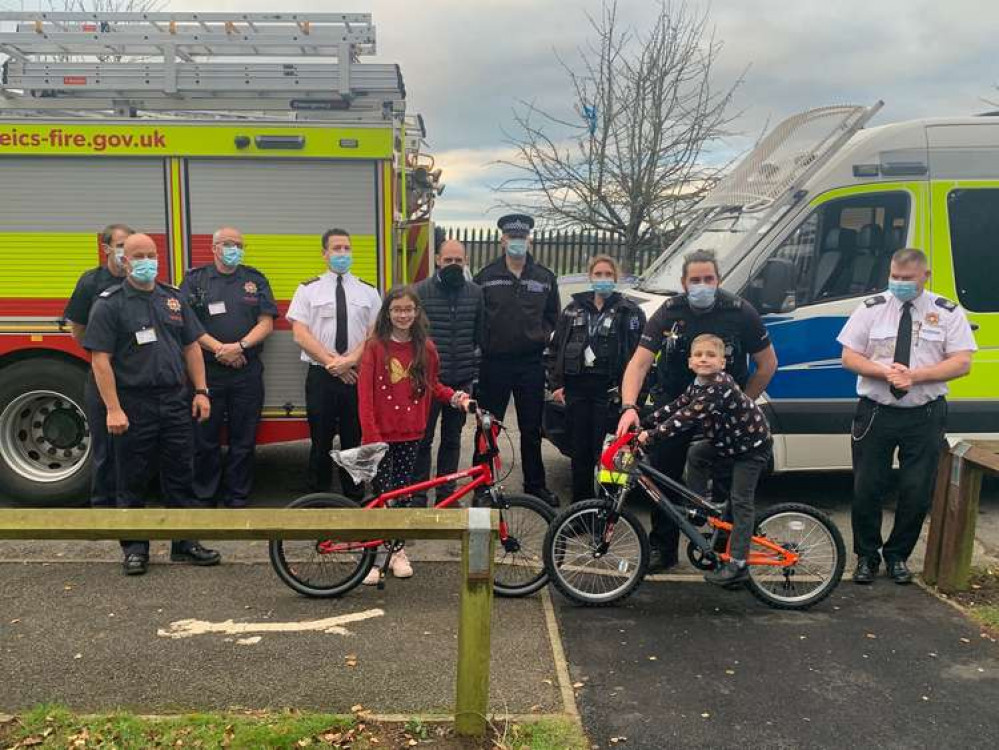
[{"x": 600, "y": 332}]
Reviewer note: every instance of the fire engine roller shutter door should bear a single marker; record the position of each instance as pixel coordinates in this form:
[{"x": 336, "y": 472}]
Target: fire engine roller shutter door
[
  {"x": 282, "y": 207},
  {"x": 51, "y": 212}
]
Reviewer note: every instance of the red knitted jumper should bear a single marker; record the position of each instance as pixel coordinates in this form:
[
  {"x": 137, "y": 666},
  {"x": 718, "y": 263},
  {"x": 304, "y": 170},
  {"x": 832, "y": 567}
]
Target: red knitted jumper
[{"x": 389, "y": 409}]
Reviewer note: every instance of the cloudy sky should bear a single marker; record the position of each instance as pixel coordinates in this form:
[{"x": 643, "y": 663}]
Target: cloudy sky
[{"x": 466, "y": 62}]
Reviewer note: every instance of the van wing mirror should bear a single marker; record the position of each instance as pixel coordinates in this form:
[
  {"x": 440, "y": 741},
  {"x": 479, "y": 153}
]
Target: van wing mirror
[{"x": 773, "y": 289}]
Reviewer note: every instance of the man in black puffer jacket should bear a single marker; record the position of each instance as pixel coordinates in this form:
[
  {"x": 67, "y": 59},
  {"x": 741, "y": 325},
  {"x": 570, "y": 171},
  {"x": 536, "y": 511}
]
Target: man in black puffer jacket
[{"x": 456, "y": 312}]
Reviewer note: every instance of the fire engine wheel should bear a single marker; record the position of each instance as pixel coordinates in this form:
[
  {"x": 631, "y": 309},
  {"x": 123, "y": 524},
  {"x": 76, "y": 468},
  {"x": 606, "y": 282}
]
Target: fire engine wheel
[{"x": 44, "y": 437}]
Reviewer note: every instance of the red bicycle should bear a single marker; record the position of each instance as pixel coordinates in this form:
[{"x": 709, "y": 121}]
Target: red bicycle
[{"x": 327, "y": 567}]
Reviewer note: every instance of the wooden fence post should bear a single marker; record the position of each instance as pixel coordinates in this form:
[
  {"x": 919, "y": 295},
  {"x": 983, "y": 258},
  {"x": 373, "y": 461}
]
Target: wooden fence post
[
  {"x": 961, "y": 513},
  {"x": 474, "y": 625},
  {"x": 931, "y": 565}
]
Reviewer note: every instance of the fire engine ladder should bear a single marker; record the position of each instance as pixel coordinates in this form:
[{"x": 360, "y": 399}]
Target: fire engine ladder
[{"x": 126, "y": 63}]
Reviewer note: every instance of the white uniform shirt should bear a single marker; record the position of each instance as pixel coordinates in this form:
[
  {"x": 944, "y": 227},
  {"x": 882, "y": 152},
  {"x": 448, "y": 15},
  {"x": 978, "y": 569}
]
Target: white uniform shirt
[
  {"x": 939, "y": 329},
  {"x": 314, "y": 304}
]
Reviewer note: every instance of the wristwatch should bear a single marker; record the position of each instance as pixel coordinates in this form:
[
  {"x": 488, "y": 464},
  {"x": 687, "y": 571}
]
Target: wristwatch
[
  {"x": 200, "y": 391},
  {"x": 626, "y": 407},
  {"x": 242, "y": 345}
]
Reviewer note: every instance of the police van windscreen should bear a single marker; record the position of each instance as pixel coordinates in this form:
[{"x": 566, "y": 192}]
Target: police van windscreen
[{"x": 722, "y": 231}]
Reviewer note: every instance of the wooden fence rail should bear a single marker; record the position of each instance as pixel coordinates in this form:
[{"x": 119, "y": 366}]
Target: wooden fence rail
[
  {"x": 955, "y": 511},
  {"x": 475, "y": 527}
]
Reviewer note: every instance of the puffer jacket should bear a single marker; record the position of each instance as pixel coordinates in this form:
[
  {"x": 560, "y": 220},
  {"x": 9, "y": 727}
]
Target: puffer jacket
[{"x": 456, "y": 322}]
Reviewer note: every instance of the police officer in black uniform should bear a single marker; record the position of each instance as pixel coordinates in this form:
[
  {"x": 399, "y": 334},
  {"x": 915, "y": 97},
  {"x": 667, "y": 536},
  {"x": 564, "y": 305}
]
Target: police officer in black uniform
[
  {"x": 596, "y": 335},
  {"x": 77, "y": 313},
  {"x": 236, "y": 308},
  {"x": 522, "y": 309},
  {"x": 702, "y": 308},
  {"x": 143, "y": 339}
]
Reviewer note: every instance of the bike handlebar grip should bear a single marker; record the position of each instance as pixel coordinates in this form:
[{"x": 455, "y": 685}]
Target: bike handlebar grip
[{"x": 473, "y": 406}]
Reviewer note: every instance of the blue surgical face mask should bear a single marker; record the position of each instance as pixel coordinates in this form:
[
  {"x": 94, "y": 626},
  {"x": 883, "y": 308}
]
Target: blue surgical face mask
[
  {"x": 903, "y": 291},
  {"x": 603, "y": 287},
  {"x": 340, "y": 263},
  {"x": 701, "y": 296},
  {"x": 516, "y": 247},
  {"x": 232, "y": 255},
  {"x": 144, "y": 270}
]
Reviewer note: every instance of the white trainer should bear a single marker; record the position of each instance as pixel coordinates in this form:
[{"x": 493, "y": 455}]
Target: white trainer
[
  {"x": 400, "y": 565},
  {"x": 371, "y": 579}
]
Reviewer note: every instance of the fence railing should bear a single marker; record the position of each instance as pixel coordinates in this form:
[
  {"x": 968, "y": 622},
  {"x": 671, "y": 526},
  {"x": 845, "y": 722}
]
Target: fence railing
[
  {"x": 561, "y": 252},
  {"x": 475, "y": 527}
]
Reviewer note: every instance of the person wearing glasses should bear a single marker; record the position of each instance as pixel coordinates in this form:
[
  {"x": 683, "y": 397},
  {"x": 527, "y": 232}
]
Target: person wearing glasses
[
  {"x": 89, "y": 286},
  {"x": 236, "y": 308}
]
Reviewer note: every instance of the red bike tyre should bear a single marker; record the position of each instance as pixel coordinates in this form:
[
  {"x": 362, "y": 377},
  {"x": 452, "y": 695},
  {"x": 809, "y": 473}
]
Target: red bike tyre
[
  {"x": 818, "y": 540},
  {"x": 572, "y": 542},
  {"x": 291, "y": 568}
]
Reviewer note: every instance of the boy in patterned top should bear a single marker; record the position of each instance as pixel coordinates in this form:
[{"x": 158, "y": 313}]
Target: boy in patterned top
[{"x": 735, "y": 447}]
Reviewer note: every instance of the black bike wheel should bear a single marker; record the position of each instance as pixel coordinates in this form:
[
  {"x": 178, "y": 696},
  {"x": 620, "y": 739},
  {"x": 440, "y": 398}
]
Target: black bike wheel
[
  {"x": 313, "y": 571},
  {"x": 518, "y": 564},
  {"x": 577, "y": 568},
  {"x": 818, "y": 542}
]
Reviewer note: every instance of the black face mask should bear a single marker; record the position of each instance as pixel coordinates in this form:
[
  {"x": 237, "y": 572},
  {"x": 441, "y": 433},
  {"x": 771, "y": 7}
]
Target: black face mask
[{"x": 452, "y": 276}]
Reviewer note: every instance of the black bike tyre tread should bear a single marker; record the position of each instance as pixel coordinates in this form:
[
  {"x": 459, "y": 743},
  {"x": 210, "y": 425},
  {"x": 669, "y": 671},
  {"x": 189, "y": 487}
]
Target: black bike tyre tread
[
  {"x": 321, "y": 500},
  {"x": 837, "y": 537},
  {"x": 548, "y": 513},
  {"x": 556, "y": 580}
]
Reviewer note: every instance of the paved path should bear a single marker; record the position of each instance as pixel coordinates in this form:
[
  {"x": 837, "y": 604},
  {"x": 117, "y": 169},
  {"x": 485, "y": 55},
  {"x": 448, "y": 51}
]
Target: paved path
[{"x": 683, "y": 665}]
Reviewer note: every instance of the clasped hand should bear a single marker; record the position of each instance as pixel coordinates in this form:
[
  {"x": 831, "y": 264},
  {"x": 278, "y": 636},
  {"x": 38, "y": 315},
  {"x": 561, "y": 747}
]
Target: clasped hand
[
  {"x": 231, "y": 355},
  {"x": 899, "y": 376}
]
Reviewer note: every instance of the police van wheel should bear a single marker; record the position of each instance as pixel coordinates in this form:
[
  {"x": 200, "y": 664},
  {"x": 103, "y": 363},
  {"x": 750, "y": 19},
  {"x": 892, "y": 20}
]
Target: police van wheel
[
  {"x": 44, "y": 436},
  {"x": 325, "y": 567}
]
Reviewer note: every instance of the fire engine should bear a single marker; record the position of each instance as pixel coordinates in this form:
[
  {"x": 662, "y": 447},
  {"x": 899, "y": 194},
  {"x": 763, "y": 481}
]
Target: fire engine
[{"x": 177, "y": 124}]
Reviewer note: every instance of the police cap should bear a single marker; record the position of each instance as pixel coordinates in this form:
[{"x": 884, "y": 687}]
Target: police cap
[{"x": 515, "y": 225}]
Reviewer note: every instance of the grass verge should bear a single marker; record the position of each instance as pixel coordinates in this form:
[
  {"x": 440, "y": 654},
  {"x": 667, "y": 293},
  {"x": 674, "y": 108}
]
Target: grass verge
[
  {"x": 55, "y": 727},
  {"x": 981, "y": 601}
]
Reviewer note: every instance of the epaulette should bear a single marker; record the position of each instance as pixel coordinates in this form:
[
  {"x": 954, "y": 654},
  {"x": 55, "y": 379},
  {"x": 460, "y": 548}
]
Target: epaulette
[
  {"x": 677, "y": 300},
  {"x": 311, "y": 281},
  {"x": 110, "y": 290},
  {"x": 366, "y": 282},
  {"x": 876, "y": 300},
  {"x": 171, "y": 287},
  {"x": 946, "y": 304},
  {"x": 251, "y": 269},
  {"x": 196, "y": 269}
]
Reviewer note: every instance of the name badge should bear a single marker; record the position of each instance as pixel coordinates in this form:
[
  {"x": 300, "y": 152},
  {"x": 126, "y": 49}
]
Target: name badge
[
  {"x": 589, "y": 357},
  {"x": 216, "y": 308},
  {"x": 145, "y": 336}
]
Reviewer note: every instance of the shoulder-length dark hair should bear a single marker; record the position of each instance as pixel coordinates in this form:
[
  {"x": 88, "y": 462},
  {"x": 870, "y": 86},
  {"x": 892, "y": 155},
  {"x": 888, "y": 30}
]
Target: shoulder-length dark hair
[{"x": 418, "y": 333}]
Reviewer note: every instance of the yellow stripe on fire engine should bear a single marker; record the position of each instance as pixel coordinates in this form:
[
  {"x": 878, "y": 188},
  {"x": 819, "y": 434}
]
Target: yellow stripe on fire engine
[
  {"x": 388, "y": 216},
  {"x": 46, "y": 265},
  {"x": 176, "y": 220}
]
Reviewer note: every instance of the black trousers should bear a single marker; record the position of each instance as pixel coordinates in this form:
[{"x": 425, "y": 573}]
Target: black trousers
[
  {"x": 448, "y": 451},
  {"x": 586, "y": 420},
  {"x": 237, "y": 398},
  {"x": 331, "y": 406},
  {"x": 102, "y": 481},
  {"x": 919, "y": 434},
  {"x": 524, "y": 379},
  {"x": 669, "y": 457},
  {"x": 160, "y": 434}
]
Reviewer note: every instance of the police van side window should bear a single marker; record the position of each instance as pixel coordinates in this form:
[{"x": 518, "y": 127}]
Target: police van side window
[
  {"x": 841, "y": 250},
  {"x": 974, "y": 241}
]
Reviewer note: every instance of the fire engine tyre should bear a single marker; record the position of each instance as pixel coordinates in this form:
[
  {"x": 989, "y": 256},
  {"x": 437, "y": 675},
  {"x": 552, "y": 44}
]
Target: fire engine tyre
[
  {"x": 44, "y": 437},
  {"x": 315, "y": 572},
  {"x": 818, "y": 541}
]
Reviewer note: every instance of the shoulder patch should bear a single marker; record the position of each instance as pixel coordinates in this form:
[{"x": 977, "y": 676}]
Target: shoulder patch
[
  {"x": 111, "y": 290},
  {"x": 873, "y": 301},
  {"x": 675, "y": 302},
  {"x": 946, "y": 304},
  {"x": 311, "y": 281}
]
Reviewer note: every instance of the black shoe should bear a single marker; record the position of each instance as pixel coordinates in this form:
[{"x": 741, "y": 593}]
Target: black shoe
[
  {"x": 866, "y": 570},
  {"x": 546, "y": 495},
  {"x": 135, "y": 565},
  {"x": 728, "y": 575},
  {"x": 898, "y": 571},
  {"x": 660, "y": 561},
  {"x": 194, "y": 554}
]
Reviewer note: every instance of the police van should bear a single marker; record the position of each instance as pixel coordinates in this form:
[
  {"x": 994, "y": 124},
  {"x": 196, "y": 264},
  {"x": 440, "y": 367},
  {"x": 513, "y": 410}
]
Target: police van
[{"x": 804, "y": 228}]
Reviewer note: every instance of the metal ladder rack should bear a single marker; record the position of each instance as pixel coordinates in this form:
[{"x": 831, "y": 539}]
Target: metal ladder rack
[{"x": 125, "y": 63}]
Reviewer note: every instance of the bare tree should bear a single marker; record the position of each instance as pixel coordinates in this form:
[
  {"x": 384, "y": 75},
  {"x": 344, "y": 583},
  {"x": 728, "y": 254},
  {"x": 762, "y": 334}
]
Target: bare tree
[
  {"x": 632, "y": 158},
  {"x": 105, "y": 6}
]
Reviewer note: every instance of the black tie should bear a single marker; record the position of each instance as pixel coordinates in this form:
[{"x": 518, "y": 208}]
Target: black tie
[
  {"x": 341, "y": 317},
  {"x": 903, "y": 343}
]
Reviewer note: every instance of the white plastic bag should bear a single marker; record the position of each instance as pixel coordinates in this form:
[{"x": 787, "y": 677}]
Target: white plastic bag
[{"x": 361, "y": 462}]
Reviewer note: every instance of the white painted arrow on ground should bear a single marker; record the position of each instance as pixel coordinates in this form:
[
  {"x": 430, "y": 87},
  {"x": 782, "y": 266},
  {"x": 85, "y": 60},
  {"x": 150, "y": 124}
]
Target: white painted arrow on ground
[{"x": 190, "y": 628}]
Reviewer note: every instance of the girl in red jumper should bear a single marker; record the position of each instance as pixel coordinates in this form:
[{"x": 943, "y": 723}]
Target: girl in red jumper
[{"x": 397, "y": 379}]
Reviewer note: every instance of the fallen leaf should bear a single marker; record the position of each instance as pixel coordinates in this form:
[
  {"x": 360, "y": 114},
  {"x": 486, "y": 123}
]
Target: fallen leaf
[
  {"x": 926, "y": 697},
  {"x": 872, "y": 636},
  {"x": 706, "y": 715},
  {"x": 578, "y": 685},
  {"x": 78, "y": 656},
  {"x": 653, "y": 658},
  {"x": 14, "y": 622},
  {"x": 358, "y": 707},
  {"x": 729, "y": 671},
  {"x": 965, "y": 640},
  {"x": 933, "y": 655}
]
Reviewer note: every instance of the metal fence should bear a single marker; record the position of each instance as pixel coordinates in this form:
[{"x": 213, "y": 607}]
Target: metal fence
[{"x": 562, "y": 252}]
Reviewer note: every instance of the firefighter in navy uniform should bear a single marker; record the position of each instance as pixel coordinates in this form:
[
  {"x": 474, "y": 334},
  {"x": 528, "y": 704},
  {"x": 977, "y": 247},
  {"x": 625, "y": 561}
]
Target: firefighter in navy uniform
[
  {"x": 701, "y": 308},
  {"x": 521, "y": 312},
  {"x": 236, "y": 308},
  {"x": 596, "y": 335},
  {"x": 77, "y": 313},
  {"x": 143, "y": 339}
]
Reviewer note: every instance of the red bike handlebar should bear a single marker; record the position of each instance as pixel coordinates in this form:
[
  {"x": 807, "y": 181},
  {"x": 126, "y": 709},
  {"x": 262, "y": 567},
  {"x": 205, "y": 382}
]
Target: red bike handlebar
[{"x": 607, "y": 457}]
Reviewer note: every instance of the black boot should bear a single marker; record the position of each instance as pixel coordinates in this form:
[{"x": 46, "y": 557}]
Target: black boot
[
  {"x": 728, "y": 575},
  {"x": 660, "y": 560},
  {"x": 194, "y": 554},
  {"x": 898, "y": 571},
  {"x": 866, "y": 570}
]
